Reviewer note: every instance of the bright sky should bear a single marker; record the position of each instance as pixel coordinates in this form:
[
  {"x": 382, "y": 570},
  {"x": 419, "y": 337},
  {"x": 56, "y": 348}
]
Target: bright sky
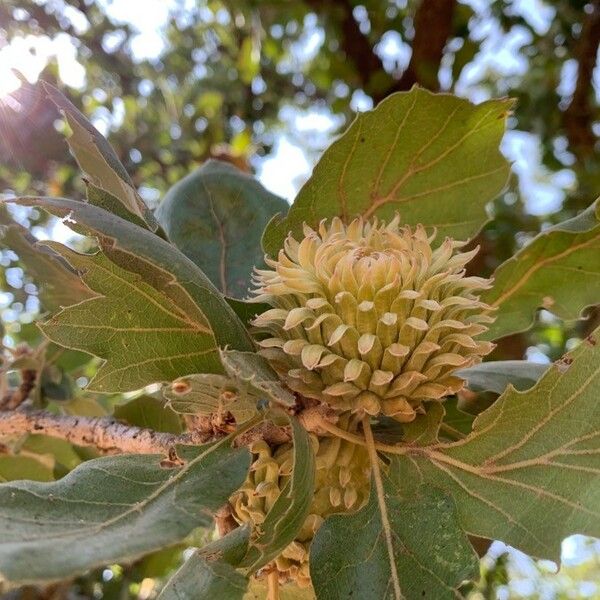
[{"x": 284, "y": 170}]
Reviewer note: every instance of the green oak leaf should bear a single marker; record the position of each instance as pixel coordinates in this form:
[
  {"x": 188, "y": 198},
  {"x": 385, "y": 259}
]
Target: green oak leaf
[
  {"x": 559, "y": 271},
  {"x": 432, "y": 555},
  {"x": 160, "y": 563},
  {"x": 252, "y": 370},
  {"x": 528, "y": 473},
  {"x": 457, "y": 419},
  {"x": 247, "y": 310},
  {"x": 103, "y": 199},
  {"x": 98, "y": 160},
  {"x": 496, "y": 375},
  {"x": 156, "y": 264},
  {"x": 210, "y": 572},
  {"x": 433, "y": 158},
  {"x": 289, "y": 511},
  {"x": 149, "y": 412},
  {"x": 216, "y": 216},
  {"x": 59, "y": 451},
  {"x": 141, "y": 335},
  {"x": 58, "y": 285},
  {"x": 424, "y": 430},
  {"x": 13, "y": 468},
  {"x": 205, "y": 394},
  {"x": 112, "y": 509}
]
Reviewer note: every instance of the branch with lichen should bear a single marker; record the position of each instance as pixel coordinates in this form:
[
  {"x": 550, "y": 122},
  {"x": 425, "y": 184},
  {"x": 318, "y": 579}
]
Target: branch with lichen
[
  {"x": 110, "y": 435},
  {"x": 104, "y": 433}
]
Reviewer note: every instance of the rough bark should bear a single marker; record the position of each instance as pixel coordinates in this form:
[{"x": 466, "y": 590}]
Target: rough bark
[
  {"x": 433, "y": 27},
  {"x": 579, "y": 115},
  {"x": 105, "y": 433}
]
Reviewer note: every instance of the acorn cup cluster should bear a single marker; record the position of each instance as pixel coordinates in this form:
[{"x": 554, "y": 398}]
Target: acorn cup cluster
[
  {"x": 341, "y": 484},
  {"x": 367, "y": 318}
]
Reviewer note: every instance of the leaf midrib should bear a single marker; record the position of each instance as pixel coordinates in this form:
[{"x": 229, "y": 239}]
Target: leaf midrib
[
  {"x": 412, "y": 170},
  {"x": 135, "y": 507}
]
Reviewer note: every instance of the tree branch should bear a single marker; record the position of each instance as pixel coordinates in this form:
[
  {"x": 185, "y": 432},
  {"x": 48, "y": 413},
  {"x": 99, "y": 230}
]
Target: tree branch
[
  {"x": 433, "y": 26},
  {"x": 353, "y": 41},
  {"x": 578, "y": 116},
  {"x": 105, "y": 433},
  {"x": 109, "y": 435}
]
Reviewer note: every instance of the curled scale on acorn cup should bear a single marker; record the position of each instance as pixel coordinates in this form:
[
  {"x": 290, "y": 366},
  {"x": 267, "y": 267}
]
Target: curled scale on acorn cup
[
  {"x": 342, "y": 484},
  {"x": 370, "y": 317}
]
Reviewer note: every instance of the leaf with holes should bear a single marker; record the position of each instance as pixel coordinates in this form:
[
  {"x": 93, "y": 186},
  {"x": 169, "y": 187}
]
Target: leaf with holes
[
  {"x": 205, "y": 394},
  {"x": 252, "y": 370},
  {"x": 432, "y": 157}
]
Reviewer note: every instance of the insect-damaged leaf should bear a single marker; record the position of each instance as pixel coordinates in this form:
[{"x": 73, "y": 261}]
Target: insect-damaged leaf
[
  {"x": 111, "y": 509},
  {"x": 252, "y": 370},
  {"x": 98, "y": 160},
  {"x": 528, "y": 473},
  {"x": 171, "y": 286},
  {"x": 216, "y": 216},
  {"x": 205, "y": 394},
  {"x": 432, "y": 157},
  {"x": 559, "y": 270},
  {"x": 432, "y": 554}
]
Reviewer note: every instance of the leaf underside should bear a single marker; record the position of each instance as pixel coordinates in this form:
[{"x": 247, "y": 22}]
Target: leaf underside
[
  {"x": 205, "y": 394},
  {"x": 528, "y": 473},
  {"x": 432, "y": 554},
  {"x": 58, "y": 286},
  {"x": 167, "y": 284},
  {"x": 210, "y": 572},
  {"x": 111, "y": 184},
  {"x": 142, "y": 336},
  {"x": 111, "y": 509},
  {"x": 495, "y": 376},
  {"x": 216, "y": 216},
  {"x": 252, "y": 370}
]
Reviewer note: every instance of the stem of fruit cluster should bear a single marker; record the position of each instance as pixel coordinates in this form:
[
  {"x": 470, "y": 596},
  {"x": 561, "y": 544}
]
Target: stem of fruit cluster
[
  {"x": 273, "y": 585},
  {"x": 385, "y": 521}
]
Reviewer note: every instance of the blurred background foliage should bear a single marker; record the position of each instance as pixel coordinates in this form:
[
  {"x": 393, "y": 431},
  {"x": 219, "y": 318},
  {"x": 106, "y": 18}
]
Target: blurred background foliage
[{"x": 266, "y": 85}]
